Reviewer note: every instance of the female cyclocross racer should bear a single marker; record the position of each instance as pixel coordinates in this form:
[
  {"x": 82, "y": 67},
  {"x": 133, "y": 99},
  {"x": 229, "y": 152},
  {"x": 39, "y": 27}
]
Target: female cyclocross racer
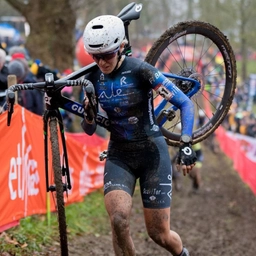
[{"x": 137, "y": 149}]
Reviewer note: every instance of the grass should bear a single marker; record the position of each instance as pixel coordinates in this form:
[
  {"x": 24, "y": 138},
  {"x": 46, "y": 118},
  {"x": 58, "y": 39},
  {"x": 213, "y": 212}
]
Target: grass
[{"x": 34, "y": 232}]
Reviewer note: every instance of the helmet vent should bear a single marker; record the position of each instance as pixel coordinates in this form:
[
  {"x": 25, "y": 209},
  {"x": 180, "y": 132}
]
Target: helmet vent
[
  {"x": 116, "y": 40},
  {"x": 97, "y": 27},
  {"x": 95, "y": 45}
]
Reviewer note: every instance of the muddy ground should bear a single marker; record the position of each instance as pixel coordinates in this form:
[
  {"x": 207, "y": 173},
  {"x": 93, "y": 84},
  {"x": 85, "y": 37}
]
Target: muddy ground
[{"x": 219, "y": 220}]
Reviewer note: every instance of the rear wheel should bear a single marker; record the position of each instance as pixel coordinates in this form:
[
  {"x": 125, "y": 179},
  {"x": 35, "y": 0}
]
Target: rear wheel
[
  {"x": 57, "y": 173},
  {"x": 198, "y": 50}
]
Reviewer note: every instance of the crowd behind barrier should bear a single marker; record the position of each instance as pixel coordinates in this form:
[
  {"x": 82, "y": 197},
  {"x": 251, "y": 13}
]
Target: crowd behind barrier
[
  {"x": 241, "y": 117},
  {"x": 16, "y": 61},
  {"x": 22, "y": 181},
  {"x": 22, "y": 166},
  {"x": 242, "y": 150}
]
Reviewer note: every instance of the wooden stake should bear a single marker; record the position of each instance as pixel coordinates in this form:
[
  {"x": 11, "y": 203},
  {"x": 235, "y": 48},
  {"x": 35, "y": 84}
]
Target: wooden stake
[{"x": 11, "y": 80}]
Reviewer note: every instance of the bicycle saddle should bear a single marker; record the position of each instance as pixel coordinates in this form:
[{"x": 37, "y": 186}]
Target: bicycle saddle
[{"x": 130, "y": 12}]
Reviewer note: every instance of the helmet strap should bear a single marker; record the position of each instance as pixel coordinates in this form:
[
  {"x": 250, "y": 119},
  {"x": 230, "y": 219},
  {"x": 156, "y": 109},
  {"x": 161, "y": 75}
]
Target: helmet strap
[{"x": 118, "y": 60}]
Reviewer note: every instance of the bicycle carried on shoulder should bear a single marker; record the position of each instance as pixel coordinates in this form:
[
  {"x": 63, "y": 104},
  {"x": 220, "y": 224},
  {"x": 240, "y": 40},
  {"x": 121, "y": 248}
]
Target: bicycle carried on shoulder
[
  {"x": 194, "y": 55},
  {"x": 198, "y": 58}
]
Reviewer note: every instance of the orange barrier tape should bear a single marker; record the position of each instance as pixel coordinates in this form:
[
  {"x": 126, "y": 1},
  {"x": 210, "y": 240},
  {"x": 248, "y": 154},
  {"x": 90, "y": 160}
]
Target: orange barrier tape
[
  {"x": 242, "y": 150},
  {"x": 22, "y": 179}
]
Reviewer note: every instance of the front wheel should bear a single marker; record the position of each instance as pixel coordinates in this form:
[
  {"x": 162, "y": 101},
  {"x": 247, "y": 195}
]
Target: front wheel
[
  {"x": 57, "y": 173},
  {"x": 198, "y": 50}
]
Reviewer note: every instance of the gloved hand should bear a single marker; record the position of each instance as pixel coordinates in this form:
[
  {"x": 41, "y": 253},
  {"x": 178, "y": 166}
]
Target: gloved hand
[
  {"x": 86, "y": 103},
  {"x": 186, "y": 158},
  {"x": 89, "y": 101},
  {"x": 88, "y": 110}
]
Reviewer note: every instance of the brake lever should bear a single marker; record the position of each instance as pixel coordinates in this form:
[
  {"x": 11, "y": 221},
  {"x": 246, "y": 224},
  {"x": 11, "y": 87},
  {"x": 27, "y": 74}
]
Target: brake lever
[
  {"x": 10, "y": 99},
  {"x": 90, "y": 93}
]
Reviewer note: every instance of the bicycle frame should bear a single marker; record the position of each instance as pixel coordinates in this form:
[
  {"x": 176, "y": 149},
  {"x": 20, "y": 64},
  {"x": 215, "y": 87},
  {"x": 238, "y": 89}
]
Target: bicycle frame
[
  {"x": 53, "y": 112},
  {"x": 167, "y": 113},
  {"x": 77, "y": 108}
]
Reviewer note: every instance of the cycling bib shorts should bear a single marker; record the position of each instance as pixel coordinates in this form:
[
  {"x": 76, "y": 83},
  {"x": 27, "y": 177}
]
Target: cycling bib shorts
[{"x": 148, "y": 161}]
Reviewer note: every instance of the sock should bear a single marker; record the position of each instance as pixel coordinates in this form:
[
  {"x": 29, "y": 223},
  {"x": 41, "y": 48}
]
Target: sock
[{"x": 184, "y": 252}]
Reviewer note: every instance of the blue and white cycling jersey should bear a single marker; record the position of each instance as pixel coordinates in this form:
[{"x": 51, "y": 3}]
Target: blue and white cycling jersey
[{"x": 127, "y": 98}]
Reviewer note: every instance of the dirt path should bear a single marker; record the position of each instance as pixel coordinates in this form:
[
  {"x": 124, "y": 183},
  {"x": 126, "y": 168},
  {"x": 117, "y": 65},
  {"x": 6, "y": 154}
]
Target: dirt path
[{"x": 220, "y": 220}]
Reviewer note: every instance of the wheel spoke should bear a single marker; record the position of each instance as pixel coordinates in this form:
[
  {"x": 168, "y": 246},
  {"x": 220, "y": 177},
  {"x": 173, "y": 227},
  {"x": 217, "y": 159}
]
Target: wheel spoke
[{"x": 200, "y": 50}]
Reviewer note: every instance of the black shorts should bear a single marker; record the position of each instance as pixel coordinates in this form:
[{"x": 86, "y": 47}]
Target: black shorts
[{"x": 148, "y": 161}]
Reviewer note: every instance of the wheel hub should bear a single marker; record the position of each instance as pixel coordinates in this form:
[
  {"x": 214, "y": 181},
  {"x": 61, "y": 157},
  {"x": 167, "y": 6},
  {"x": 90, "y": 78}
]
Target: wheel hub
[{"x": 186, "y": 86}]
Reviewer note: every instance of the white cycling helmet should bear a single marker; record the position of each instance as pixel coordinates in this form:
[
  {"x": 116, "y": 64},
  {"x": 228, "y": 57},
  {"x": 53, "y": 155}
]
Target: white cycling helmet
[{"x": 103, "y": 34}]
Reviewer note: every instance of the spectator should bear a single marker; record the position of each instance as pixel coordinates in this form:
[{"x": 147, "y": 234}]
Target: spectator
[
  {"x": 32, "y": 100},
  {"x": 251, "y": 126},
  {"x": 3, "y": 77},
  {"x": 18, "y": 52},
  {"x": 16, "y": 68},
  {"x": 39, "y": 70}
]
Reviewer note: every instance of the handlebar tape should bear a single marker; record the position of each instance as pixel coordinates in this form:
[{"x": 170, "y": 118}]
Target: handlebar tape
[
  {"x": 10, "y": 103},
  {"x": 90, "y": 93}
]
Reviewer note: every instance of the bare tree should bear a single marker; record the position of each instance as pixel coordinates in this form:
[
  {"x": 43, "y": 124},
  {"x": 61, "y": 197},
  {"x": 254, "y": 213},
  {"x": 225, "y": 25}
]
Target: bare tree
[
  {"x": 246, "y": 26},
  {"x": 52, "y": 25}
]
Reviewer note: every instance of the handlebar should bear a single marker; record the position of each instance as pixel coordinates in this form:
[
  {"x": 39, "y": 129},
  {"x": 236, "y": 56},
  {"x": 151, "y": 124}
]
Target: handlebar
[
  {"x": 49, "y": 85},
  {"x": 92, "y": 110},
  {"x": 45, "y": 86}
]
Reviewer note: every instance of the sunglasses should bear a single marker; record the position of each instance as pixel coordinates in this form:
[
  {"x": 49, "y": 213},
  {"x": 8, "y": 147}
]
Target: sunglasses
[{"x": 105, "y": 56}]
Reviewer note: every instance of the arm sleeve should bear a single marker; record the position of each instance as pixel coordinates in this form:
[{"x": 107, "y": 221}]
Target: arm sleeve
[{"x": 173, "y": 94}]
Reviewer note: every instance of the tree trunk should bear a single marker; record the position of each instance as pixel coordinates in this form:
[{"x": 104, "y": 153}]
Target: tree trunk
[{"x": 52, "y": 30}]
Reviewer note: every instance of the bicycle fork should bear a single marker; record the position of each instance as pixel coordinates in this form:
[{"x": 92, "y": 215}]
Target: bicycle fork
[{"x": 48, "y": 115}]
